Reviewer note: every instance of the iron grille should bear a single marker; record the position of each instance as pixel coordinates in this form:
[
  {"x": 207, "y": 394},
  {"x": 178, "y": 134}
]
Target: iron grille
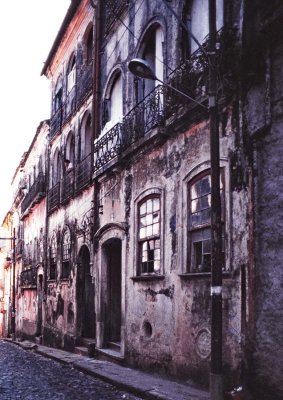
[
  {"x": 84, "y": 83},
  {"x": 145, "y": 116},
  {"x": 108, "y": 147},
  {"x": 36, "y": 192},
  {"x": 28, "y": 277},
  {"x": 113, "y": 9},
  {"x": 67, "y": 187},
  {"x": 84, "y": 173},
  {"x": 54, "y": 197},
  {"x": 56, "y": 122}
]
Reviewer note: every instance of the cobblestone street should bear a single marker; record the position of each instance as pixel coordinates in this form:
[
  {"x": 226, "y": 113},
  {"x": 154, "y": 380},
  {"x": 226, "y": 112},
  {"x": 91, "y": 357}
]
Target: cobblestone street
[{"x": 29, "y": 376}]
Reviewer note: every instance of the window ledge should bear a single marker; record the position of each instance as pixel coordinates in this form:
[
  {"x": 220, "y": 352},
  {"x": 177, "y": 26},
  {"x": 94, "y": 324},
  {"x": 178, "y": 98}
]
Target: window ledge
[
  {"x": 147, "y": 278},
  {"x": 197, "y": 275}
]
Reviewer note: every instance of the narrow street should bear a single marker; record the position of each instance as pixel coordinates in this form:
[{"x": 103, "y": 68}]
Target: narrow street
[{"x": 29, "y": 376}]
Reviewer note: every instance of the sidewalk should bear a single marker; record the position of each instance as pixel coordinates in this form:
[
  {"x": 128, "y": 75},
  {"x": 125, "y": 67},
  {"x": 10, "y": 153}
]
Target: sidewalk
[{"x": 142, "y": 384}]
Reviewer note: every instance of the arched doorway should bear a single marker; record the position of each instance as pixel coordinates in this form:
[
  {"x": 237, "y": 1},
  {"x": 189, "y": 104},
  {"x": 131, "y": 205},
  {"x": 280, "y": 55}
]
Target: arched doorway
[
  {"x": 112, "y": 250},
  {"x": 85, "y": 296}
]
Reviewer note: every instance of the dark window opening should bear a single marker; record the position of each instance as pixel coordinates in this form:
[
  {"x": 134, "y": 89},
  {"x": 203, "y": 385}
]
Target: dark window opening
[{"x": 199, "y": 229}]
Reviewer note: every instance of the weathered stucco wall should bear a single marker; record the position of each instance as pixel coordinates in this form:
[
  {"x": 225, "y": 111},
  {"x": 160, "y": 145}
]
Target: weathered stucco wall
[
  {"x": 268, "y": 351},
  {"x": 168, "y": 319}
]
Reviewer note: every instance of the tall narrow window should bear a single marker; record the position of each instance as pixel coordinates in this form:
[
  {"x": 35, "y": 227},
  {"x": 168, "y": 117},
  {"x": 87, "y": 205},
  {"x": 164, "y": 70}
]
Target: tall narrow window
[
  {"x": 197, "y": 21},
  {"x": 152, "y": 52},
  {"x": 149, "y": 236},
  {"x": 71, "y": 79},
  {"x": 58, "y": 98},
  {"x": 53, "y": 258},
  {"x": 200, "y": 224},
  {"x": 66, "y": 254},
  {"x": 89, "y": 47}
]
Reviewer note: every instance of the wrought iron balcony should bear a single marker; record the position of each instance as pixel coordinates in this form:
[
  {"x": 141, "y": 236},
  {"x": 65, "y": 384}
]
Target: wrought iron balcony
[
  {"x": 56, "y": 122},
  {"x": 83, "y": 173},
  {"x": 28, "y": 278},
  {"x": 84, "y": 83},
  {"x": 144, "y": 117},
  {"x": 54, "y": 197},
  {"x": 108, "y": 146},
  {"x": 113, "y": 9},
  {"x": 70, "y": 102},
  {"x": 67, "y": 186},
  {"x": 36, "y": 192},
  {"x": 192, "y": 76}
]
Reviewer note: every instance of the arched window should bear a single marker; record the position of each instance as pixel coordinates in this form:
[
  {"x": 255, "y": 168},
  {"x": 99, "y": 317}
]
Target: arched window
[
  {"x": 85, "y": 137},
  {"x": 113, "y": 103},
  {"x": 66, "y": 254},
  {"x": 149, "y": 236},
  {"x": 56, "y": 168},
  {"x": 71, "y": 73},
  {"x": 53, "y": 258},
  {"x": 152, "y": 52},
  {"x": 197, "y": 17},
  {"x": 199, "y": 223},
  {"x": 69, "y": 152},
  {"x": 89, "y": 46}
]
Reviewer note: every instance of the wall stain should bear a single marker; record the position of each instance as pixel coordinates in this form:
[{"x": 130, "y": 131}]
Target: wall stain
[{"x": 152, "y": 294}]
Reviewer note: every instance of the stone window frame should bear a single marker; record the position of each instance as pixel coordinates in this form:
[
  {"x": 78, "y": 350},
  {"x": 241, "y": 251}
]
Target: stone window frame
[
  {"x": 147, "y": 194},
  {"x": 185, "y": 255}
]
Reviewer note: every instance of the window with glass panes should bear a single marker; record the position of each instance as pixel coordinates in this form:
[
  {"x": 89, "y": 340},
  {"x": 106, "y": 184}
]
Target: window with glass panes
[
  {"x": 53, "y": 260},
  {"x": 200, "y": 224},
  {"x": 149, "y": 236},
  {"x": 66, "y": 254}
]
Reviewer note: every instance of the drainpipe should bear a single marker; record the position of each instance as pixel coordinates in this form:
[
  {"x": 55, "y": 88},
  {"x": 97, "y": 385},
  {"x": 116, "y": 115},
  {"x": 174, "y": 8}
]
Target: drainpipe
[
  {"x": 96, "y": 105},
  {"x": 216, "y": 380},
  {"x": 45, "y": 269}
]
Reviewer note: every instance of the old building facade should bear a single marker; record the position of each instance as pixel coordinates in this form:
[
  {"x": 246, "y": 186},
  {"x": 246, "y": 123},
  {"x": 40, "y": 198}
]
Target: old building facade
[{"x": 123, "y": 235}]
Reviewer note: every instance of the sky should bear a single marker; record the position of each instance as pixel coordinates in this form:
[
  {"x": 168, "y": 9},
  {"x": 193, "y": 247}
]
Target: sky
[{"x": 27, "y": 31}]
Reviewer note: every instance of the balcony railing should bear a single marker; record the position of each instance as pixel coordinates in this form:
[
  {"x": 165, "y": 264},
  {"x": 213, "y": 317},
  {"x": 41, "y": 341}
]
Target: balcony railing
[
  {"x": 67, "y": 186},
  {"x": 73, "y": 100},
  {"x": 56, "y": 122},
  {"x": 54, "y": 197},
  {"x": 28, "y": 278},
  {"x": 145, "y": 116},
  {"x": 108, "y": 146},
  {"x": 84, "y": 83},
  {"x": 36, "y": 192},
  {"x": 113, "y": 9},
  {"x": 148, "y": 114},
  {"x": 84, "y": 173},
  {"x": 192, "y": 76}
]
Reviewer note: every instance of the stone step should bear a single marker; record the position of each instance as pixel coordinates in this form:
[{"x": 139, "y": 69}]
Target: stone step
[
  {"x": 81, "y": 350},
  {"x": 116, "y": 346}
]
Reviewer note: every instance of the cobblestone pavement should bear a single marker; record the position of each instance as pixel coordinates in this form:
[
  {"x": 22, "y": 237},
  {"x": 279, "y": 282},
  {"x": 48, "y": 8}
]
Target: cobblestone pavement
[{"x": 28, "y": 376}]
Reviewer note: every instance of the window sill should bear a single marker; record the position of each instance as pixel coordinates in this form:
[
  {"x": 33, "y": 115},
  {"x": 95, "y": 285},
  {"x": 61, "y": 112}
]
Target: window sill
[
  {"x": 197, "y": 275},
  {"x": 147, "y": 278}
]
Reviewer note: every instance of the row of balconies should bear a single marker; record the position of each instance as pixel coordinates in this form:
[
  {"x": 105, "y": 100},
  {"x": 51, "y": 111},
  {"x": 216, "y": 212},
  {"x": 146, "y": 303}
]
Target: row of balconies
[
  {"x": 72, "y": 183},
  {"x": 28, "y": 278},
  {"x": 73, "y": 100},
  {"x": 155, "y": 110},
  {"x": 35, "y": 193}
]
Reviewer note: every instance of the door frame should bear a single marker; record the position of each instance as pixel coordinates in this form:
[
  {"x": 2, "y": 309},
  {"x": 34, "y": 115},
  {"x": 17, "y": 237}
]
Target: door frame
[{"x": 103, "y": 235}]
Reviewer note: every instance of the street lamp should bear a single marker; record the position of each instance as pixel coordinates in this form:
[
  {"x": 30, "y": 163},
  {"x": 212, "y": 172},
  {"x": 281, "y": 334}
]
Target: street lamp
[
  {"x": 142, "y": 69},
  {"x": 13, "y": 316}
]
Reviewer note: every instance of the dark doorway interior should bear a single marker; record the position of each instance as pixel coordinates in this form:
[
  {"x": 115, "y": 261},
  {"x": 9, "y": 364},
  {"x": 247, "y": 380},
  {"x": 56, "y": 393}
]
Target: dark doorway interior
[
  {"x": 112, "y": 251},
  {"x": 85, "y": 296}
]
